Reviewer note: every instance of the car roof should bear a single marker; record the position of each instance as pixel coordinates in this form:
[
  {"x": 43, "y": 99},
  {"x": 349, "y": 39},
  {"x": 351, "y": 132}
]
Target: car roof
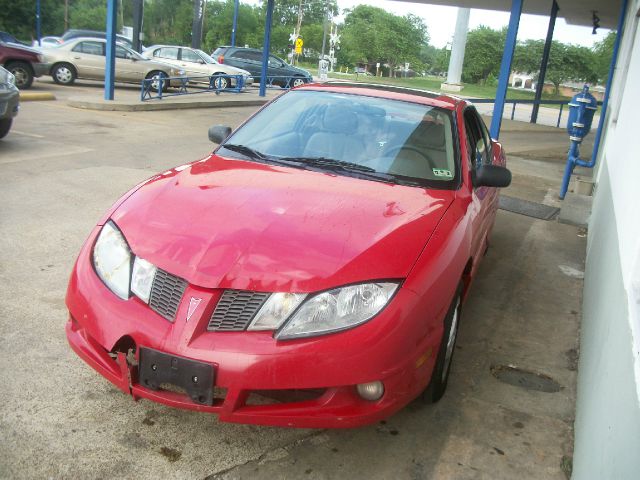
[{"x": 392, "y": 92}]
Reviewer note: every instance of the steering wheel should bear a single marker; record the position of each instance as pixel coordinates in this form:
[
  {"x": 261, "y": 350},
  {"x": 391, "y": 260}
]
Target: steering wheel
[{"x": 394, "y": 150}]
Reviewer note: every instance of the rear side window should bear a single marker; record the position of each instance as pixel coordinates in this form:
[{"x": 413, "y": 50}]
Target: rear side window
[
  {"x": 169, "y": 53},
  {"x": 190, "y": 56},
  {"x": 248, "y": 55},
  {"x": 90, "y": 48}
]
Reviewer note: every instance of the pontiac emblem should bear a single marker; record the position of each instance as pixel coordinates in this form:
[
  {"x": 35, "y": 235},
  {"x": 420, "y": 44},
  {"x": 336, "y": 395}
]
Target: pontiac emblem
[{"x": 193, "y": 305}]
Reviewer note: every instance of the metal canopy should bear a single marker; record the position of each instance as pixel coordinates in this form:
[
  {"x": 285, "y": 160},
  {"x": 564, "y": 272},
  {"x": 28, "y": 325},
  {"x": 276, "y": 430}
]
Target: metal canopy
[{"x": 575, "y": 12}]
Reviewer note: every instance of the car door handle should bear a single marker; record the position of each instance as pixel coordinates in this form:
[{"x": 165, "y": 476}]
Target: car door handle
[{"x": 77, "y": 58}]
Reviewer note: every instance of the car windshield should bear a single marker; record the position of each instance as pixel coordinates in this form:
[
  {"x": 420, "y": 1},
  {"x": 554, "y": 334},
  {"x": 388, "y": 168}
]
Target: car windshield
[
  {"x": 205, "y": 57},
  {"x": 374, "y": 138}
]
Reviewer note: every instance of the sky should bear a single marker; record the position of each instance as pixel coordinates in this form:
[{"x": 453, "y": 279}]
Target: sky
[{"x": 441, "y": 22}]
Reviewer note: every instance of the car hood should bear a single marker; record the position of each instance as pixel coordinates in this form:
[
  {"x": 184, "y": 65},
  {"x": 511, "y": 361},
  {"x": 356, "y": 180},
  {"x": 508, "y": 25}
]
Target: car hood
[{"x": 227, "y": 223}]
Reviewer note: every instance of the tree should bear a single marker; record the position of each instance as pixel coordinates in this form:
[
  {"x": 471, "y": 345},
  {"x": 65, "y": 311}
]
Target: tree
[
  {"x": 602, "y": 53},
  {"x": 372, "y": 35},
  {"x": 483, "y": 54}
]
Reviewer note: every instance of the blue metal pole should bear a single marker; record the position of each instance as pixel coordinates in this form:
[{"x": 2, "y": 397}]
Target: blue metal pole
[
  {"x": 605, "y": 100},
  {"x": 505, "y": 67},
  {"x": 110, "y": 65},
  {"x": 235, "y": 23},
  {"x": 265, "y": 49},
  {"x": 544, "y": 61},
  {"x": 38, "y": 23}
]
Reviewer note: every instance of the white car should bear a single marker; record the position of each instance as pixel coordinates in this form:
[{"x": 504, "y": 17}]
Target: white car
[{"x": 197, "y": 63}]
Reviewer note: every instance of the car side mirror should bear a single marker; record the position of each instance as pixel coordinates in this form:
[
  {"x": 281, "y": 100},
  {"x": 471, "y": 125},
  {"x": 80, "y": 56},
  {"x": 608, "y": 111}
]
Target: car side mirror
[
  {"x": 491, "y": 176},
  {"x": 218, "y": 133}
]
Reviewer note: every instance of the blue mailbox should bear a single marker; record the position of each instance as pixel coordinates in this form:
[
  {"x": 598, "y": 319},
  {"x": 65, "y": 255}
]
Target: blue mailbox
[{"x": 582, "y": 108}]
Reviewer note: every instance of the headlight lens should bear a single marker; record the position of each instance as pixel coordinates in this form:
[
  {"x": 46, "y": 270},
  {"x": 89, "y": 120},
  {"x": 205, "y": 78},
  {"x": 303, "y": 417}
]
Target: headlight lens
[
  {"x": 338, "y": 309},
  {"x": 142, "y": 278},
  {"x": 276, "y": 310},
  {"x": 112, "y": 260}
]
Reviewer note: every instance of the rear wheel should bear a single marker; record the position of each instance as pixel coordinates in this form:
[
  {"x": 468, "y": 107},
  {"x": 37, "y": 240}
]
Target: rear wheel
[
  {"x": 5, "y": 126},
  {"x": 63, "y": 73},
  {"x": 440, "y": 376},
  {"x": 158, "y": 78},
  {"x": 23, "y": 73},
  {"x": 221, "y": 82}
]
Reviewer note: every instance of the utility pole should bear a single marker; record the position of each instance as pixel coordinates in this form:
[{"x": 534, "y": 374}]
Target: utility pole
[
  {"x": 196, "y": 29},
  {"x": 66, "y": 15},
  {"x": 296, "y": 32}
]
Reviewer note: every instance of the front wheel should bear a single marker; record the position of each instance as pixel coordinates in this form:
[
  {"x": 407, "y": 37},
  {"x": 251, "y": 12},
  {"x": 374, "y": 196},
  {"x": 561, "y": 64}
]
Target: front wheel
[
  {"x": 440, "y": 376},
  {"x": 297, "y": 81},
  {"x": 158, "y": 78},
  {"x": 221, "y": 82},
  {"x": 5, "y": 126},
  {"x": 63, "y": 74},
  {"x": 23, "y": 73}
]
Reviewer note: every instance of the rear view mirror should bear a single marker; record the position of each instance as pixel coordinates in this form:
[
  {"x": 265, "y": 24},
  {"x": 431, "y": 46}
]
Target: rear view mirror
[
  {"x": 218, "y": 133},
  {"x": 492, "y": 176}
]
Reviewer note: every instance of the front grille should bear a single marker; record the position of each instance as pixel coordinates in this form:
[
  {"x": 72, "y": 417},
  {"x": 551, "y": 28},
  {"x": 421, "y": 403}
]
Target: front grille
[
  {"x": 166, "y": 294},
  {"x": 236, "y": 309}
]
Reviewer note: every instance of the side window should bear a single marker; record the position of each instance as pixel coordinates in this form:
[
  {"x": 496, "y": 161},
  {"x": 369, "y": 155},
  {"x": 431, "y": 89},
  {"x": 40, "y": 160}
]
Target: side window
[
  {"x": 90, "y": 48},
  {"x": 477, "y": 140},
  {"x": 275, "y": 62},
  {"x": 169, "y": 53},
  {"x": 190, "y": 56}
]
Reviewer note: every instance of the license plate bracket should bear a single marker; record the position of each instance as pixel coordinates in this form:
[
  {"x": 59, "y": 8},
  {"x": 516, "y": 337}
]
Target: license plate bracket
[{"x": 196, "y": 378}]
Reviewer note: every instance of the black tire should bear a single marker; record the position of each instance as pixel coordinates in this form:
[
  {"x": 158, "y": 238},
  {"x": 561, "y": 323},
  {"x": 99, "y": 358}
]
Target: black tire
[
  {"x": 297, "y": 81},
  {"x": 440, "y": 376},
  {"x": 156, "y": 75},
  {"x": 5, "y": 126},
  {"x": 63, "y": 74},
  {"x": 23, "y": 73},
  {"x": 221, "y": 83}
]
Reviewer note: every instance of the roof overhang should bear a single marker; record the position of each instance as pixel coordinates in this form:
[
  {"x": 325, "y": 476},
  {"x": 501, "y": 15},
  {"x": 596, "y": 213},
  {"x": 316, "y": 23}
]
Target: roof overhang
[{"x": 575, "y": 12}]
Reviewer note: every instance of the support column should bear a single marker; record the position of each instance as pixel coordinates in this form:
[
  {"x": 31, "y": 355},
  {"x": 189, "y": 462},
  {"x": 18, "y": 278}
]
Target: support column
[
  {"x": 265, "y": 48},
  {"x": 236, "y": 6},
  {"x": 544, "y": 61},
  {"x": 454, "y": 75},
  {"x": 505, "y": 67},
  {"x": 110, "y": 65},
  {"x": 38, "y": 23},
  {"x": 138, "y": 9}
]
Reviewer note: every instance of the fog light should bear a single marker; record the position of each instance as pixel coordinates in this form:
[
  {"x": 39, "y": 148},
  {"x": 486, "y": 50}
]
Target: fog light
[{"x": 371, "y": 391}]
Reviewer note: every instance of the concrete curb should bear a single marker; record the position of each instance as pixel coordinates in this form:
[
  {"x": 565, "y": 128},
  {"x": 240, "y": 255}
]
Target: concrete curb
[
  {"x": 115, "y": 106},
  {"x": 36, "y": 96}
]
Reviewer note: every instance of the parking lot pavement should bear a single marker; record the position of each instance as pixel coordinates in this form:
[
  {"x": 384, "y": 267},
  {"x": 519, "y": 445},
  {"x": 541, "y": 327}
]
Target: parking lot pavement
[{"x": 63, "y": 167}]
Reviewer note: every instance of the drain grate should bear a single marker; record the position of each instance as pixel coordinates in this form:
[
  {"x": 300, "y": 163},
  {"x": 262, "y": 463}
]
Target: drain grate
[
  {"x": 525, "y": 379},
  {"x": 530, "y": 209}
]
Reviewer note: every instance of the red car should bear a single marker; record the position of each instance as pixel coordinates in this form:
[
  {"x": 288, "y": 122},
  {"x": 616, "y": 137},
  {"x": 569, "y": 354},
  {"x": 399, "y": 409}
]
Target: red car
[
  {"x": 23, "y": 62},
  {"x": 310, "y": 272}
]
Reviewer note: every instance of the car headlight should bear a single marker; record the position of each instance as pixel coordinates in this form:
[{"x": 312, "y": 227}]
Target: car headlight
[
  {"x": 276, "y": 310},
  {"x": 112, "y": 260},
  {"x": 338, "y": 309},
  {"x": 6, "y": 78},
  {"x": 142, "y": 278}
]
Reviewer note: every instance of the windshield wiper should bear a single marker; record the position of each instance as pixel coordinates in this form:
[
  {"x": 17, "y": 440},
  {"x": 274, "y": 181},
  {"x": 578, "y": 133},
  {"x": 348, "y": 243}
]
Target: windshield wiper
[
  {"x": 333, "y": 164},
  {"x": 244, "y": 150}
]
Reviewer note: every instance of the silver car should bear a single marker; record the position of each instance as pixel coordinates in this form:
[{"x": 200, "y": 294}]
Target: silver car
[
  {"x": 9, "y": 100},
  {"x": 198, "y": 64},
  {"x": 85, "y": 58}
]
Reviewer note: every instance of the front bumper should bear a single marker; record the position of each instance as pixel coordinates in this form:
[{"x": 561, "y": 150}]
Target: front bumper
[
  {"x": 250, "y": 363},
  {"x": 9, "y": 103}
]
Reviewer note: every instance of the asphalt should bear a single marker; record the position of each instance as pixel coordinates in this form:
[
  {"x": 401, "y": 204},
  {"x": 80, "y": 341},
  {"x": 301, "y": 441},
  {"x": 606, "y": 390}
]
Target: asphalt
[{"x": 62, "y": 167}]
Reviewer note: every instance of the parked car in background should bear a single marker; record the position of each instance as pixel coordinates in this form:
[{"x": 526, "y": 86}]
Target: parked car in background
[
  {"x": 250, "y": 59},
  {"x": 85, "y": 58},
  {"x": 9, "y": 100},
  {"x": 75, "y": 33},
  {"x": 197, "y": 63},
  {"x": 50, "y": 41},
  {"x": 23, "y": 62},
  {"x": 310, "y": 272},
  {"x": 6, "y": 37}
]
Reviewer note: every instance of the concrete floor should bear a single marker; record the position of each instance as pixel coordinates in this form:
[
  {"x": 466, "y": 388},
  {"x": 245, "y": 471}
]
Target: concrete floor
[{"x": 63, "y": 167}]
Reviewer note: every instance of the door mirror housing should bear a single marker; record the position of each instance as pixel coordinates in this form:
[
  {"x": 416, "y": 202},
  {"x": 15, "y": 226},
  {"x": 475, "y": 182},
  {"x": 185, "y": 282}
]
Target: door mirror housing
[
  {"x": 219, "y": 133},
  {"x": 491, "y": 176}
]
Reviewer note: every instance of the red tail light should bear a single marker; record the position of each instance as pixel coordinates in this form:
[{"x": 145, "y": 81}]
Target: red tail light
[{"x": 220, "y": 58}]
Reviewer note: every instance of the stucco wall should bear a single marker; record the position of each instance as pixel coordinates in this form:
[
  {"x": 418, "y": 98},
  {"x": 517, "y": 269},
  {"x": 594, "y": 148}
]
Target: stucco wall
[{"x": 607, "y": 426}]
